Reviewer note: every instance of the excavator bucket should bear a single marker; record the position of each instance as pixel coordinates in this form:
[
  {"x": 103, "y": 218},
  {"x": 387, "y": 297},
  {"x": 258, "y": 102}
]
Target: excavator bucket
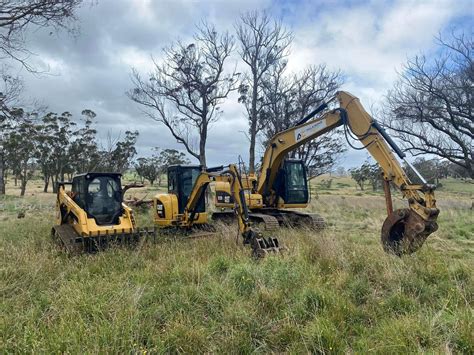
[
  {"x": 404, "y": 232},
  {"x": 262, "y": 246}
]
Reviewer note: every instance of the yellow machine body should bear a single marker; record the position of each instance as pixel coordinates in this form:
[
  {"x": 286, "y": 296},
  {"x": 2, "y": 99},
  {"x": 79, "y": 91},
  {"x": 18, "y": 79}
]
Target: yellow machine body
[
  {"x": 92, "y": 213},
  {"x": 224, "y": 198},
  {"x": 86, "y": 226},
  {"x": 166, "y": 212},
  {"x": 404, "y": 230}
]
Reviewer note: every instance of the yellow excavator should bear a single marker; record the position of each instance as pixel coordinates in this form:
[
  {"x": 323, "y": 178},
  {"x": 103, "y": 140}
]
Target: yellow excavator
[
  {"x": 92, "y": 214},
  {"x": 282, "y": 184},
  {"x": 183, "y": 207}
]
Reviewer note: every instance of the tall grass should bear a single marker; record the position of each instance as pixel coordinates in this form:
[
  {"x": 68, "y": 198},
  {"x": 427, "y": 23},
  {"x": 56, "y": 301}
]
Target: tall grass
[{"x": 332, "y": 292}]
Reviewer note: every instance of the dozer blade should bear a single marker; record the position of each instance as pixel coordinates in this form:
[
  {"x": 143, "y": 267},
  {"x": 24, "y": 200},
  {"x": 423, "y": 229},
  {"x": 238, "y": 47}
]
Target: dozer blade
[{"x": 404, "y": 232}]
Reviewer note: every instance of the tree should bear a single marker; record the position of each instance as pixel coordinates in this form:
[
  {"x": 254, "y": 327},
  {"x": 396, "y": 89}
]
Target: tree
[
  {"x": 375, "y": 176},
  {"x": 288, "y": 99},
  {"x": 141, "y": 168},
  {"x": 168, "y": 157},
  {"x": 84, "y": 150},
  {"x": 263, "y": 44},
  {"x": 434, "y": 169},
  {"x": 367, "y": 172},
  {"x": 185, "y": 90},
  {"x": 431, "y": 106},
  {"x": 360, "y": 175},
  {"x": 53, "y": 139},
  {"x": 341, "y": 171},
  {"x": 9, "y": 96},
  {"x": 16, "y": 16},
  {"x": 119, "y": 154},
  {"x": 147, "y": 168},
  {"x": 20, "y": 147},
  {"x": 154, "y": 167}
]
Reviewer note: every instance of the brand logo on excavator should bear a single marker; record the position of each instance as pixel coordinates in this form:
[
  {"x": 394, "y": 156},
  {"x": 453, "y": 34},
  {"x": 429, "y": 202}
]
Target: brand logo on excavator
[{"x": 306, "y": 131}]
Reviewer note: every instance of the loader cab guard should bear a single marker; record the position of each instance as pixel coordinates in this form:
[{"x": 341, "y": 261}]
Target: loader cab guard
[{"x": 100, "y": 195}]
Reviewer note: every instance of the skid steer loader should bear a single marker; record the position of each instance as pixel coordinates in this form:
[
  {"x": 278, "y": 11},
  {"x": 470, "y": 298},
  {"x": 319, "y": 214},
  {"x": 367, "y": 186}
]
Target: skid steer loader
[{"x": 92, "y": 215}]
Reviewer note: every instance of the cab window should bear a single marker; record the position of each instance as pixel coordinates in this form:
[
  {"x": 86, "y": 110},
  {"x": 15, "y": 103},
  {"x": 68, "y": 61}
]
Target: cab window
[{"x": 104, "y": 199}]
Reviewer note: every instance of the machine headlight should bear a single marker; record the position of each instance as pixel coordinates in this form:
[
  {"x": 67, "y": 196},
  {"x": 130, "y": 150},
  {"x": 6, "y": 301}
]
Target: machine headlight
[{"x": 160, "y": 210}]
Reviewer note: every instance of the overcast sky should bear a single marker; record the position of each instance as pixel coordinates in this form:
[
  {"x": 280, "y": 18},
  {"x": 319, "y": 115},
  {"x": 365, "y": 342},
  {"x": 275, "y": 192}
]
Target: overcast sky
[{"x": 367, "y": 40}]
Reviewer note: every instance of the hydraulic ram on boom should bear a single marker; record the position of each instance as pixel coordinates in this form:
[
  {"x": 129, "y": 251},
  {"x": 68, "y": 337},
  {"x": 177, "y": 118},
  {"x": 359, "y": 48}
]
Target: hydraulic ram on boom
[
  {"x": 276, "y": 195},
  {"x": 404, "y": 230}
]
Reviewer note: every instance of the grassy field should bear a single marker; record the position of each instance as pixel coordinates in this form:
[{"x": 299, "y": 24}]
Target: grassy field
[{"x": 331, "y": 292}]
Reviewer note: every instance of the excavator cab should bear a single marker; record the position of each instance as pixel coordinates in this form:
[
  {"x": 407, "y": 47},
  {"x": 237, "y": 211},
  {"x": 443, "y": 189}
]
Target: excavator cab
[
  {"x": 170, "y": 207},
  {"x": 99, "y": 195},
  {"x": 181, "y": 179},
  {"x": 291, "y": 184}
]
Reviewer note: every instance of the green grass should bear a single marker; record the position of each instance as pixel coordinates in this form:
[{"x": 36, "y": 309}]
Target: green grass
[{"x": 332, "y": 292}]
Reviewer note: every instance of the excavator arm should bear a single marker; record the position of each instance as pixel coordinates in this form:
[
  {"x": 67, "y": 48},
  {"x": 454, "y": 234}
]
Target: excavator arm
[
  {"x": 404, "y": 230},
  {"x": 260, "y": 245}
]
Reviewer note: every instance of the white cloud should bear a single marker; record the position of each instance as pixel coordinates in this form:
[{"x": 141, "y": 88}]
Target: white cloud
[
  {"x": 367, "y": 40},
  {"x": 370, "y": 43}
]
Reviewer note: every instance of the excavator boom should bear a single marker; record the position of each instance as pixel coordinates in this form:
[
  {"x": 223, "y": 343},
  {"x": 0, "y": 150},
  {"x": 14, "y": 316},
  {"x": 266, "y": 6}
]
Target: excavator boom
[{"x": 405, "y": 230}]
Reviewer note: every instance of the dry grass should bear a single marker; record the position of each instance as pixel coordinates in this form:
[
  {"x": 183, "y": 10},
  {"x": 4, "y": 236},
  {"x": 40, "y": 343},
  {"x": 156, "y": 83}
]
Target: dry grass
[{"x": 332, "y": 292}]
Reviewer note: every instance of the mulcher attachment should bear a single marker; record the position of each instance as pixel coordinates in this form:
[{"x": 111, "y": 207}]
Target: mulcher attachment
[
  {"x": 67, "y": 237},
  {"x": 404, "y": 232}
]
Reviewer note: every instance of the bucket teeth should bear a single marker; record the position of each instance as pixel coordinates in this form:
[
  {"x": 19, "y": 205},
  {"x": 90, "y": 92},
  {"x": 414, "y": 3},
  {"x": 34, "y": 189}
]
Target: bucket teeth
[{"x": 262, "y": 246}]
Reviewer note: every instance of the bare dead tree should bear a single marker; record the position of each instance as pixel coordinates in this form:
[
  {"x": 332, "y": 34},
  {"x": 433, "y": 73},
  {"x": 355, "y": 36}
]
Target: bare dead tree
[
  {"x": 289, "y": 98},
  {"x": 16, "y": 16},
  {"x": 9, "y": 96},
  {"x": 185, "y": 90},
  {"x": 263, "y": 43},
  {"x": 430, "y": 109}
]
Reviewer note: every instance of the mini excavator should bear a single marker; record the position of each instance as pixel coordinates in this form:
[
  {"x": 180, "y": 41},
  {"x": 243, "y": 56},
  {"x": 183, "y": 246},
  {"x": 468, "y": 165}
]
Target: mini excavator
[
  {"x": 183, "y": 207},
  {"x": 282, "y": 185},
  {"x": 92, "y": 214}
]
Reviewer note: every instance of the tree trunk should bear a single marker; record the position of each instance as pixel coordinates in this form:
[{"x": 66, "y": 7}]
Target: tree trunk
[
  {"x": 202, "y": 147},
  {"x": 46, "y": 184},
  {"x": 253, "y": 125},
  {"x": 16, "y": 180},
  {"x": 2, "y": 174},
  {"x": 203, "y": 134},
  {"x": 54, "y": 181},
  {"x": 23, "y": 186}
]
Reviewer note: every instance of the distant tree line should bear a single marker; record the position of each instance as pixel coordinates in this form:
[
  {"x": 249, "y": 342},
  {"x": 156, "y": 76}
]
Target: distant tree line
[
  {"x": 58, "y": 147},
  {"x": 17, "y": 17},
  {"x": 152, "y": 168},
  {"x": 432, "y": 170}
]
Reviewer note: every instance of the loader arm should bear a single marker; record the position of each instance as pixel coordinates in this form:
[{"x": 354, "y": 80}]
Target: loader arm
[{"x": 404, "y": 230}]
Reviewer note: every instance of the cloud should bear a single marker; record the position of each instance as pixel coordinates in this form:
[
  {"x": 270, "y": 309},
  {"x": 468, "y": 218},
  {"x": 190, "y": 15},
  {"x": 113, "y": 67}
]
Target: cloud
[{"x": 369, "y": 41}]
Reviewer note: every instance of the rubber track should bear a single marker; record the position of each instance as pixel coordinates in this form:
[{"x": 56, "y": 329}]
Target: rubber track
[
  {"x": 319, "y": 222},
  {"x": 67, "y": 237},
  {"x": 271, "y": 223}
]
